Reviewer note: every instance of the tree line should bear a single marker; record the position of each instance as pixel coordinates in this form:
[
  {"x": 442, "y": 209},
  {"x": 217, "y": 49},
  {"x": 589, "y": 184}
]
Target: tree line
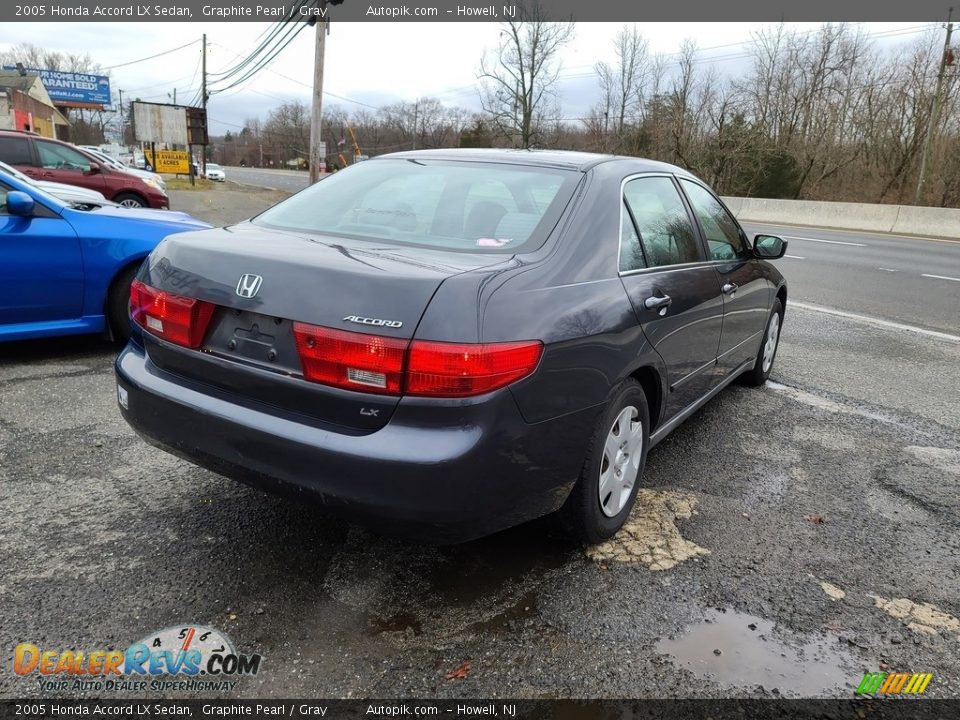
[{"x": 830, "y": 114}]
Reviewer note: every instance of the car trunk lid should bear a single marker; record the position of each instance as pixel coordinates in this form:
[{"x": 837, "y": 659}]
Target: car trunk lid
[{"x": 262, "y": 282}]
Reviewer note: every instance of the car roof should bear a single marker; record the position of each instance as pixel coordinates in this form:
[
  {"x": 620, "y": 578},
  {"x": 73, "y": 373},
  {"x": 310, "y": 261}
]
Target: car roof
[{"x": 562, "y": 159}]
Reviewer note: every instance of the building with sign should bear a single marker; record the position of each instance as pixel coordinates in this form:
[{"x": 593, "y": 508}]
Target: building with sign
[{"x": 25, "y": 104}]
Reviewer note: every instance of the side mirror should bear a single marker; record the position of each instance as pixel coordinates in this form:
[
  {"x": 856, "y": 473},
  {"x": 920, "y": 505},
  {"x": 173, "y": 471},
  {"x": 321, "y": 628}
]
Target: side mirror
[
  {"x": 94, "y": 168},
  {"x": 769, "y": 247},
  {"x": 19, "y": 203}
]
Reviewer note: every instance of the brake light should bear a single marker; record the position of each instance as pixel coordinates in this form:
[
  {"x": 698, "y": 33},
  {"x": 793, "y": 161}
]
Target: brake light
[
  {"x": 390, "y": 366},
  {"x": 439, "y": 369},
  {"x": 354, "y": 361},
  {"x": 180, "y": 320}
]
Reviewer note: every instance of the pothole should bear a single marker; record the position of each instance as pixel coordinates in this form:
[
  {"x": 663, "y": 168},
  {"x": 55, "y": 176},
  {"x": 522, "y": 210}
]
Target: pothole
[
  {"x": 650, "y": 535},
  {"x": 734, "y": 649}
]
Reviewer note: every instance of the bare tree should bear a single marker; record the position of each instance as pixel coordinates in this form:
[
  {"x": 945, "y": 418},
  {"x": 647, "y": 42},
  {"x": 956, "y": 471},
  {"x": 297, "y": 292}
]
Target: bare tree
[{"x": 519, "y": 82}]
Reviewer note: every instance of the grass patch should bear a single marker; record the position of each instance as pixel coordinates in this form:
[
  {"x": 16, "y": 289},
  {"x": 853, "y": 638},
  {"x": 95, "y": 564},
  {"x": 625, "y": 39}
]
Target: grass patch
[{"x": 183, "y": 183}]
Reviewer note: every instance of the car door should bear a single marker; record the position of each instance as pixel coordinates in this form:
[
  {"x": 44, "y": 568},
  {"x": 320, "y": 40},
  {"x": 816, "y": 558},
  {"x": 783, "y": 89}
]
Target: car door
[
  {"x": 673, "y": 290},
  {"x": 746, "y": 293},
  {"x": 61, "y": 163},
  {"x": 41, "y": 267}
]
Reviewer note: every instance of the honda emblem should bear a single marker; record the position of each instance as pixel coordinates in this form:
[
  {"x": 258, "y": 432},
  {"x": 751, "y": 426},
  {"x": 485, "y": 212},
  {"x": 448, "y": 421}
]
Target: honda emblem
[{"x": 249, "y": 285}]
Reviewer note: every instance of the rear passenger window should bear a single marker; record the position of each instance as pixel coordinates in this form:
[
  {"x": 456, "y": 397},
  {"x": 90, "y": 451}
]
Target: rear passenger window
[
  {"x": 662, "y": 222},
  {"x": 15, "y": 151}
]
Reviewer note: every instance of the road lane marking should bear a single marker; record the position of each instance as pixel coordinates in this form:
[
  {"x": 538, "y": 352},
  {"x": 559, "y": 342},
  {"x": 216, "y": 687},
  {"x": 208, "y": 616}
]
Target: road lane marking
[
  {"x": 889, "y": 324},
  {"x": 795, "y": 257},
  {"x": 888, "y": 269},
  {"x": 830, "y": 242},
  {"x": 940, "y": 277}
]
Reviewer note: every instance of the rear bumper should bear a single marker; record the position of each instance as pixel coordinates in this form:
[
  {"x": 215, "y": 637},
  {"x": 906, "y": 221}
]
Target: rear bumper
[{"x": 440, "y": 471}]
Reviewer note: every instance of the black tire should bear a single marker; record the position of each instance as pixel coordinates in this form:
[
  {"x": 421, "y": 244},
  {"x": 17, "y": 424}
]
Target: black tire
[
  {"x": 582, "y": 513},
  {"x": 757, "y": 375},
  {"x": 118, "y": 304},
  {"x": 130, "y": 200}
]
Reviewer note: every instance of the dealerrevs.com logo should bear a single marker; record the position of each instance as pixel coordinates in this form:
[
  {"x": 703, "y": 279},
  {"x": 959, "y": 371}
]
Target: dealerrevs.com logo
[{"x": 176, "y": 658}]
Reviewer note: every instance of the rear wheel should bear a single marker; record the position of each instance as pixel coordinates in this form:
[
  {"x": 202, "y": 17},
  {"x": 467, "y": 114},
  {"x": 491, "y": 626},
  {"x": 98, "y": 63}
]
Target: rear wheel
[
  {"x": 131, "y": 200},
  {"x": 118, "y": 304},
  {"x": 758, "y": 375},
  {"x": 604, "y": 494}
]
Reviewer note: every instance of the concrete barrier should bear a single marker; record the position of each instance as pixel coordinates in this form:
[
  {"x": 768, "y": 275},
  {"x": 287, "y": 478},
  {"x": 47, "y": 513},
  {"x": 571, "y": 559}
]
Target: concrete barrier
[{"x": 899, "y": 219}]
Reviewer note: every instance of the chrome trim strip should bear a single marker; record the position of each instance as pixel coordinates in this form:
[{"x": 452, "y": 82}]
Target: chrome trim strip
[
  {"x": 727, "y": 352},
  {"x": 665, "y": 429},
  {"x": 688, "y": 376}
]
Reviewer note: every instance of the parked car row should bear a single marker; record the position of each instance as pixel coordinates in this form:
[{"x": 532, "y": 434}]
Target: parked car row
[
  {"x": 49, "y": 160},
  {"x": 68, "y": 255}
]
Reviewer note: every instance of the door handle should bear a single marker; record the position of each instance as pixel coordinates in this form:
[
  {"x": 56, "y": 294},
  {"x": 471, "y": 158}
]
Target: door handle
[
  {"x": 656, "y": 303},
  {"x": 729, "y": 288}
]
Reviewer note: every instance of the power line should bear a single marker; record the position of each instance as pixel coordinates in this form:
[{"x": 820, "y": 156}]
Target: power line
[{"x": 151, "y": 57}]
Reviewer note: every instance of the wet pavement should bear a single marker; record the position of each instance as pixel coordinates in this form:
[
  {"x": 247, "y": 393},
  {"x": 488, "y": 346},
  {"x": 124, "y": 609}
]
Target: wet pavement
[{"x": 807, "y": 530}]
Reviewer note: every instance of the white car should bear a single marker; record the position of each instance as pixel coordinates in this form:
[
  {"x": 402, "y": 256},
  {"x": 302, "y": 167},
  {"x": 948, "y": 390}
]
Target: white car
[
  {"x": 66, "y": 193},
  {"x": 215, "y": 172},
  {"x": 151, "y": 178}
]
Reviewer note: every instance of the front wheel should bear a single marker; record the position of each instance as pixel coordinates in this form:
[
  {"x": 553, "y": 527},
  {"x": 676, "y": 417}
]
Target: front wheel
[
  {"x": 130, "y": 200},
  {"x": 760, "y": 371},
  {"x": 603, "y": 497}
]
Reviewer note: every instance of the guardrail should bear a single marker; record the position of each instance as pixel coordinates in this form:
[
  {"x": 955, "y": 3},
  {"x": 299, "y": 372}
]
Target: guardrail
[{"x": 897, "y": 219}]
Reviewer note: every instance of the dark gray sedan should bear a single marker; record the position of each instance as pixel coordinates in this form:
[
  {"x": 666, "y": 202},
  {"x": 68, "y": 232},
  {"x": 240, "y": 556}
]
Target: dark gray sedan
[{"x": 448, "y": 343}]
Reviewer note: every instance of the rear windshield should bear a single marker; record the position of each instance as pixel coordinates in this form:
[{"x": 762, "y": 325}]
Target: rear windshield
[{"x": 475, "y": 207}]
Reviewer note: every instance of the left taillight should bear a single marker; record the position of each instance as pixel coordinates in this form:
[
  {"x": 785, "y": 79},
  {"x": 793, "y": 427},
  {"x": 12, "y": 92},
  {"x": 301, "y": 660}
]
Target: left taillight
[{"x": 180, "y": 320}]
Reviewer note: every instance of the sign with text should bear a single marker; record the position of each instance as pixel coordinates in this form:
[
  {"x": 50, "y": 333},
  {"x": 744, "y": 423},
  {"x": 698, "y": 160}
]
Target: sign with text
[
  {"x": 169, "y": 161},
  {"x": 73, "y": 88}
]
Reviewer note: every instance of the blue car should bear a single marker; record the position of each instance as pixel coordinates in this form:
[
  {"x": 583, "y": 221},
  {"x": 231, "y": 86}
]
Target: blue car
[{"x": 66, "y": 269}]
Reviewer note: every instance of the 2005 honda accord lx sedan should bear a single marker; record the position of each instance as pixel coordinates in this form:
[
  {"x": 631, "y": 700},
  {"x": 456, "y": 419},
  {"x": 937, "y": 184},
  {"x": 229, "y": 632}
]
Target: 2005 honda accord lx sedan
[{"x": 451, "y": 342}]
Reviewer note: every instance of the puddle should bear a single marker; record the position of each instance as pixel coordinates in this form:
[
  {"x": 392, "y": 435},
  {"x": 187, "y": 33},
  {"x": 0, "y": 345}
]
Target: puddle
[
  {"x": 753, "y": 654},
  {"x": 650, "y": 535}
]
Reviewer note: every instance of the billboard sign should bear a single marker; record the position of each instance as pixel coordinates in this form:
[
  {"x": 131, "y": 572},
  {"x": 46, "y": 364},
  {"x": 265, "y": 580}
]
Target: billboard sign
[
  {"x": 73, "y": 88},
  {"x": 158, "y": 123},
  {"x": 169, "y": 161}
]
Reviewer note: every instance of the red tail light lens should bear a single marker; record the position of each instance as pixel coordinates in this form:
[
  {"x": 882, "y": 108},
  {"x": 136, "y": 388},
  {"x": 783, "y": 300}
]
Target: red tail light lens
[
  {"x": 390, "y": 366},
  {"x": 354, "y": 361},
  {"x": 458, "y": 370},
  {"x": 180, "y": 320}
]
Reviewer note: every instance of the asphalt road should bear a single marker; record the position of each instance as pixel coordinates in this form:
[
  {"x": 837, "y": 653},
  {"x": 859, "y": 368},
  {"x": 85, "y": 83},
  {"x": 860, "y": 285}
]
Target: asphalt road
[
  {"x": 904, "y": 279},
  {"x": 788, "y": 539},
  {"x": 288, "y": 180}
]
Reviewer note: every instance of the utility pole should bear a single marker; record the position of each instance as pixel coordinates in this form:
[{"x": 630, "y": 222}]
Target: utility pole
[
  {"x": 316, "y": 113},
  {"x": 203, "y": 102},
  {"x": 123, "y": 135},
  {"x": 934, "y": 112}
]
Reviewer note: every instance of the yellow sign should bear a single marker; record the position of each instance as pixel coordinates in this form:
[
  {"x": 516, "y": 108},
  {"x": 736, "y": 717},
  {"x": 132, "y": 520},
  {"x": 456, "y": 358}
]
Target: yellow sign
[{"x": 169, "y": 161}]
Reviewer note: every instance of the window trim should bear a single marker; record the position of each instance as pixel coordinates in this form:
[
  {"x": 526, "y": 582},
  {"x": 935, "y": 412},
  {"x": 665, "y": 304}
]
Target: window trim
[{"x": 693, "y": 221}]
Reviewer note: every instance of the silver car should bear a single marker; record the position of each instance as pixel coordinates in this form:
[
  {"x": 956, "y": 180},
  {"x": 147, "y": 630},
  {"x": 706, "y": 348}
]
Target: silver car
[{"x": 66, "y": 193}]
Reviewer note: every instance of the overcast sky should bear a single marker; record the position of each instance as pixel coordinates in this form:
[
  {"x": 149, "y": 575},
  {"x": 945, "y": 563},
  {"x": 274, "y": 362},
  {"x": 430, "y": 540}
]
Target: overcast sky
[{"x": 369, "y": 63}]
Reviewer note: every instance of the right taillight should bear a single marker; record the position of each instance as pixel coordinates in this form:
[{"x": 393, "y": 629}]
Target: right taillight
[
  {"x": 437, "y": 369},
  {"x": 390, "y": 366}
]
